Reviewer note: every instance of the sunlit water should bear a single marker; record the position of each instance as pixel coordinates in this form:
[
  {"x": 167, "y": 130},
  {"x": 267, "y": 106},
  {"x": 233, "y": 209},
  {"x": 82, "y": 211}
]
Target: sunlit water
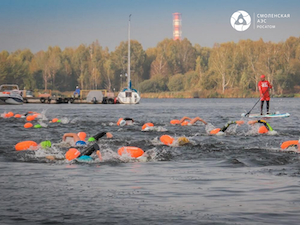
[{"x": 236, "y": 178}]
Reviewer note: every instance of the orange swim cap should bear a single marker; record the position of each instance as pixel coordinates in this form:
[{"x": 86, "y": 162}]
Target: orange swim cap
[
  {"x": 119, "y": 121},
  {"x": 147, "y": 125},
  {"x": 290, "y": 143},
  {"x": 82, "y": 135}
]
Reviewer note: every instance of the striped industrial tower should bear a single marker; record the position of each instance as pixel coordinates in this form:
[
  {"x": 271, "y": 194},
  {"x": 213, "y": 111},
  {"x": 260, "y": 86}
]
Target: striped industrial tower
[{"x": 177, "y": 26}]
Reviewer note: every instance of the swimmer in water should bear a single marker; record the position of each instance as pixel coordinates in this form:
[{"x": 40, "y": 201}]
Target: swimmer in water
[
  {"x": 169, "y": 140},
  {"x": 79, "y": 142},
  {"x": 100, "y": 135},
  {"x": 217, "y": 131},
  {"x": 85, "y": 154},
  {"x": 126, "y": 121},
  {"x": 292, "y": 145},
  {"x": 186, "y": 121},
  {"x": 263, "y": 129}
]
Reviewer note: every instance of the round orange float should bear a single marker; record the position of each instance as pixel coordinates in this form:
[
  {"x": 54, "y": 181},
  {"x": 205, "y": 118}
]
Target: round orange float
[
  {"x": 10, "y": 114},
  {"x": 215, "y": 131},
  {"x": 18, "y": 116},
  {"x": 133, "y": 151},
  {"x": 28, "y": 125},
  {"x": 30, "y": 118},
  {"x": 166, "y": 139},
  {"x": 25, "y": 145},
  {"x": 173, "y": 122},
  {"x": 72, "y": 153},
  {"x": 147, "y": 125}
]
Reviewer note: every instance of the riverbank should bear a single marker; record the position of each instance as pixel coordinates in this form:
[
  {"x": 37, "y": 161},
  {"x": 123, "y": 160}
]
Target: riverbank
[{"x": 214, "y": 94}]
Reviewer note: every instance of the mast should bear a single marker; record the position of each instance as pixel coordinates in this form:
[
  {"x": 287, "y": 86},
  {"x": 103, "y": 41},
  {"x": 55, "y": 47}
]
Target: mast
[{"x": 128, "y": 66}]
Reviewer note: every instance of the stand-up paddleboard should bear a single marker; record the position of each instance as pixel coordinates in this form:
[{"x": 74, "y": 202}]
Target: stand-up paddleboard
[{"x": 271, "y": 115}]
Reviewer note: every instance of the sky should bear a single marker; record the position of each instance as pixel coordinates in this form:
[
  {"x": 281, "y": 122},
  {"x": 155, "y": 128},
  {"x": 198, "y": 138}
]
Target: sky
[{"x": 38, "y": 24}]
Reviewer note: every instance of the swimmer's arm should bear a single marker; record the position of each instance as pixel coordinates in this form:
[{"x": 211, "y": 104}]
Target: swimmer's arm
[
  {"x": 100, "y": 135},
  {"x": 184, "y": 118},
  {"x": 72, "y": 135}
]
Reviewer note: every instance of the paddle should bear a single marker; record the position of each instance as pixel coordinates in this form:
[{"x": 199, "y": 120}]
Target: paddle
[{"x": 256, "y": 103}]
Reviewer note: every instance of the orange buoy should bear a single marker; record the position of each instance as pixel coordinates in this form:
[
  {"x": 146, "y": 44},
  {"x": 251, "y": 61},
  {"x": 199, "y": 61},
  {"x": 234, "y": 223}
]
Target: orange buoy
[
  {"x": 82, "y": 135},
  {"x": 54, "y": 120},
  {"x": 10, "y": 114},
  {"x": 263, "y": 130},
  {"x": 18, "y": 116},
  {"x": 72, "y": 153},
  {"x": 25, "y": 145},
  {"x": 147, "y": 125},
  {"x": 30, "y": 118},
  {"x": 290, "y": 143},
  {"x": 215, "y": 131},
  {"x": 28, "y": 125},
  {"x": 133, "y": 151},
  {"x": 119, "y": 121},
  {"x": 166, "y": 139},
  {"x": 185, "y": 123},
  {"x": 173, "y": 122}
]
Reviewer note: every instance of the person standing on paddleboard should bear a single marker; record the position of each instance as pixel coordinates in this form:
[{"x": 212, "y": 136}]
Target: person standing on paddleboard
[{"x": 264, "y": 86}]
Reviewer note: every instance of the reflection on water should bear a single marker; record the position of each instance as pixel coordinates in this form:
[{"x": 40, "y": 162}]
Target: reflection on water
[{"x": 237, "y": 178}]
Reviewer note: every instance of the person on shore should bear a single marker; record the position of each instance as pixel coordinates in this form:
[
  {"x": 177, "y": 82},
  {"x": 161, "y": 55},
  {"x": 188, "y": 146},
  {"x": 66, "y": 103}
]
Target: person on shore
[
  {"x": 77, "y": 92},
  {"x": 264, "y": 87}
]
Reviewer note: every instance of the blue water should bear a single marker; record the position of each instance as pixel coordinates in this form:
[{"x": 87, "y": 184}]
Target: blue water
[{"x": 239, "y": 178}]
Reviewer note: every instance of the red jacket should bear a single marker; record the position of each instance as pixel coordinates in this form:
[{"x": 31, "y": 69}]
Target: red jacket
[{"x": 264, "y": 87}]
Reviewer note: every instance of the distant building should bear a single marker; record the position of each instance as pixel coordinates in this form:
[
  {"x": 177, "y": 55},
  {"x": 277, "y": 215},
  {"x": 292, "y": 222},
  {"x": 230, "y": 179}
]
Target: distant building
[{"x": 177, "y": 26}]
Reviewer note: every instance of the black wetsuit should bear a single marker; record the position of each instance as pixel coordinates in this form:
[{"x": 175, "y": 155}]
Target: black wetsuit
[
  {"x": 126, "y": 119},
  {"x": 99, "y": 135},
  {"x": 88, "y": 151},
  {"x": 223, "y": 129}
]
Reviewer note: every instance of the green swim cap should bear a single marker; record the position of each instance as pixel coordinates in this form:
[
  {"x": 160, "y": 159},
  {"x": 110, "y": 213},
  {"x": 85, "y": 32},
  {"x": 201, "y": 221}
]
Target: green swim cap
[
  {"x": 91, "y": 139},
  {"x": 37, "y": 126},
  {"x": 45, "y": 144},
  {"x": 58, "y": 121}
]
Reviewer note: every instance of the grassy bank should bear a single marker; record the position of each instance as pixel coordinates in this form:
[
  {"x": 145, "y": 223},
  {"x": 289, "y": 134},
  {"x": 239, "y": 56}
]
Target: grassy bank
[{"x": 213, "y": 94}]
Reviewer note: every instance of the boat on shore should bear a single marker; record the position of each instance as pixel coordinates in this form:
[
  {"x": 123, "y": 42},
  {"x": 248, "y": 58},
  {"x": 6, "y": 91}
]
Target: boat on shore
[
  {"x": 129, "y": 95},
  {"x": 10, "y": 95}
]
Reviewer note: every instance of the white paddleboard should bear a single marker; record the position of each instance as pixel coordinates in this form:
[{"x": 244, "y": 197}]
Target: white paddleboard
[{"x": 272, "y": 115}]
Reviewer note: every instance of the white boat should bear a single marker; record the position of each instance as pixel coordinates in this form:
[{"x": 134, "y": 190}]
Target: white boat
[
  {"x": 129, "y": 95},
  {"x": 10, "y": 95}
]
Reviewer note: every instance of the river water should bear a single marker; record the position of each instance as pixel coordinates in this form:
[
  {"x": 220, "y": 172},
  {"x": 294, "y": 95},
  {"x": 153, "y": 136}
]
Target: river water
[{"x": 238, "y": 178}]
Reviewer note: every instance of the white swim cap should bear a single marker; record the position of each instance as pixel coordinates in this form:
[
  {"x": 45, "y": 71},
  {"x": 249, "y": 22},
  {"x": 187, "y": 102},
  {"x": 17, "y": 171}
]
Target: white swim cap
[{"x": 122, "y": 123}]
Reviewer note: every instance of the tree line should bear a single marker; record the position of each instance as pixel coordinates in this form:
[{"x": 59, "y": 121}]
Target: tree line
[{"x": 170, "y": 66}]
